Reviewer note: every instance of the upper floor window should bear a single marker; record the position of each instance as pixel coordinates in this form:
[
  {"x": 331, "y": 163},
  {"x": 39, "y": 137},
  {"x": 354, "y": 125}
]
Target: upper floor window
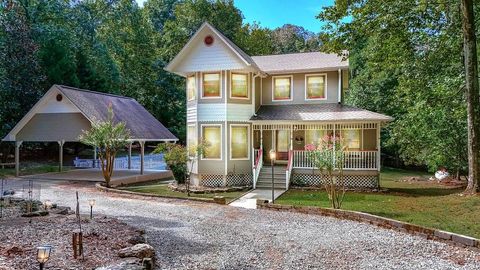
[
  {"x": 315, "y": 86},
  {"x": 211, "y": 85},
  {"x": 239, "y": 86},
  {"x": 282, "y": 88},
  {"x": 191, "y": 88}
]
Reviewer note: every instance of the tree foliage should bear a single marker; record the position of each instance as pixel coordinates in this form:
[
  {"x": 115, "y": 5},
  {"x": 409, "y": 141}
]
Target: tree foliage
[
  {"x": 108, "y": 137},
  {"x": 406, "y": 61}
]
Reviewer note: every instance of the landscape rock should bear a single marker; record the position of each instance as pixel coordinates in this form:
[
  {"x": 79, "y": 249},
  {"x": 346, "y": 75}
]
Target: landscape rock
[
  {"x": 127, "y": 264},
  {"x": 138, "y": 251},
  {"x": 136, "y": 239},
  {"x": 40, "y": 213}
]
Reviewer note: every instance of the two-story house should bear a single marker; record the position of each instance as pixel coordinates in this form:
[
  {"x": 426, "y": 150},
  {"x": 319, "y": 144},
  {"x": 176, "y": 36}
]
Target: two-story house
[{"x": 245, "y": 106}]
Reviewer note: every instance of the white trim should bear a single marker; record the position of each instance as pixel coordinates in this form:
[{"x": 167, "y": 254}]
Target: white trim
[
  {"x": 273, "y": 88},
  {"x": 325, "y": 88},
  {"x": 195, "y": 90},
  {"x": 339, "y": 86},
  {"x": 220, "y": 73},
  {"x": 248, "y": 141},
  {"x": 261, "y": 91},
  {"x": 231, "y": 83},
  {"x": 221, "y": 141}
]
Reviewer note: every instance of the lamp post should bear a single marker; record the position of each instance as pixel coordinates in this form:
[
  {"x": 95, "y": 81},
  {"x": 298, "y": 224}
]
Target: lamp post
[
  {"x": 92, "y": 203},
  {"x": 272, "y": 161},
  {"x": 47, "y": 204},
  {"x": 43, "y": 254}
]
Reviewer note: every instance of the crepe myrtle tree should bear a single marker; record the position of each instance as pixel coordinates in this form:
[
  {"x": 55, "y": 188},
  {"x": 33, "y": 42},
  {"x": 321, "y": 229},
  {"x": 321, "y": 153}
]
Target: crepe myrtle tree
[
  {"x": 108, "y": 137},
  {"x": 328, "y": 158},
  {"x": 177, "y": 158}
]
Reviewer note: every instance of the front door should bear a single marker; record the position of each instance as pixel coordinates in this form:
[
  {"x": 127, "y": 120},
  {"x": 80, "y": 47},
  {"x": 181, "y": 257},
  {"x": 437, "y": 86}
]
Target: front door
[{"x": 282, "y": 143}]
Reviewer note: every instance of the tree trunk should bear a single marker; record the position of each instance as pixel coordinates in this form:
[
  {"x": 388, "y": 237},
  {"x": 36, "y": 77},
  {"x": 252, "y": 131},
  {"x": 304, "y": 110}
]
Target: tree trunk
[{"x": 472, "y": 94}]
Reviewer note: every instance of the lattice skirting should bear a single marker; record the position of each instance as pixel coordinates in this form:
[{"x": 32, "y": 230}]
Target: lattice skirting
[
  {"x": 231, "y": 180},
  {"x": 352, "y": 181}
]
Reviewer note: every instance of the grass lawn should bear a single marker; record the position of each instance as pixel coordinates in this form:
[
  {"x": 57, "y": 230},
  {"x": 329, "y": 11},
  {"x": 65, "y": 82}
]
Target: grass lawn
[
  {"x": 423, "y": 203},
  {"x": 29, "y": 170},
  {"x": 164, "y": 190}
]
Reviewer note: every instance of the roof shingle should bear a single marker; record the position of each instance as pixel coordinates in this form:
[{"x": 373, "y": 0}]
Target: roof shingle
[{"x": 316, "y": 112}]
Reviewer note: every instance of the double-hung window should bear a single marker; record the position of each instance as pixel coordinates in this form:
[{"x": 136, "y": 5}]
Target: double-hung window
[
  {"x": 211, "y": 85},
  {"x": 315, "y": 86},
  {"x": 239, "y": 86},
  {"x": 239, "y": 142},
  {"x": 282, "y": 88},
  {"x": 212, "y": 135}
]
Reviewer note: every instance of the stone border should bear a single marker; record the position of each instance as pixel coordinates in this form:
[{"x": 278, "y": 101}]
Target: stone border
[
  {"x": 388, "y": 223},
  {"x": 127, "y": 192}
]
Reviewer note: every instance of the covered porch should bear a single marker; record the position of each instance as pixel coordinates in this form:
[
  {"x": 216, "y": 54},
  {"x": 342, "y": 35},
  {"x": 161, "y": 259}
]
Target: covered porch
[{"x": 288, "y": 141}]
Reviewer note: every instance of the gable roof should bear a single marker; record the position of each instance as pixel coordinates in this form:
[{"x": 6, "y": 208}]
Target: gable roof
[
  {"x": 93, "y": 105},
  {"x": 299, "y": 62},
  {"x": 247, "y": 60},
  {"x": 316, "y": 112}
]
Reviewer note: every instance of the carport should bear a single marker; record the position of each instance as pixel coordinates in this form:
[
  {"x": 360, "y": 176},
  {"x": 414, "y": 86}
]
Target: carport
[{"x": 64, "y": 112}]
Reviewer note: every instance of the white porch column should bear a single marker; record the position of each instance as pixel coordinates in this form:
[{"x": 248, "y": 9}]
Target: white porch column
[
  {"x": 130, "y": 155},
  {"x": 261, "y": 137},
  {"x": 142, "y": 155},
  {"x": 60, "y": 155},
  {"x": 378, "y": 147},
  {"x": 17, "y": 157},
  {"x": 291, "y": 137}
]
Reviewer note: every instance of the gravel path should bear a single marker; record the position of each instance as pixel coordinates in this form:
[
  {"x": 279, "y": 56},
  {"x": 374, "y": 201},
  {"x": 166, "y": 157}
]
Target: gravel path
[{"x": 194, "y": 235}]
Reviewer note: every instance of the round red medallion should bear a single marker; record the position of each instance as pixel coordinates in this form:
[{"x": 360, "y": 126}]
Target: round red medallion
[
  {"x": 208, "y": 40},
  {"x": 59, "y": 97}
]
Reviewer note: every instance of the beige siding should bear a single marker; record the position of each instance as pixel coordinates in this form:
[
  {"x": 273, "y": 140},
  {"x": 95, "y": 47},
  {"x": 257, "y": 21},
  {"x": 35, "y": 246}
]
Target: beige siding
[
  {"x": 370, "y": 139},
  {"x": 298, "y": 92},
  {"x": 54, "y": 127},
  {"x": 258, "y": 91}
]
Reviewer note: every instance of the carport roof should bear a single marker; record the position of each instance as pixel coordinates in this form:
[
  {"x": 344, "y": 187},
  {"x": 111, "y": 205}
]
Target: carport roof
[{"x": 93, "y": 105}]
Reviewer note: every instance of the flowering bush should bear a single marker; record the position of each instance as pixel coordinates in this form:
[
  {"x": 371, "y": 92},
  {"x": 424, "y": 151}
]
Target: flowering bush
[{"x": 328, "y": 158}]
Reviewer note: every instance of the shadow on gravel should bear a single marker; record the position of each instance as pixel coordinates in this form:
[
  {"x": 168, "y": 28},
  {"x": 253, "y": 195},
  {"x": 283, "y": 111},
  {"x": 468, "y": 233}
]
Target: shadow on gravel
[{"x": 157, "y": 223}]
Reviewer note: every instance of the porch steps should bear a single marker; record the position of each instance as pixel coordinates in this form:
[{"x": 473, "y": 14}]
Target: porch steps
[{"x": 265, "y": 177}]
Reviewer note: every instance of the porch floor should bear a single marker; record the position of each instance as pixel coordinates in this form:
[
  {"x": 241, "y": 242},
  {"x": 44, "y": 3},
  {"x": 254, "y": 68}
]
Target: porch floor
[{"x": 249, "y": 200}]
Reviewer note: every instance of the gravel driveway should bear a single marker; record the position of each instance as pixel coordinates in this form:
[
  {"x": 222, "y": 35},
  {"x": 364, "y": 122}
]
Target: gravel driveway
[{"x": 194, "y": 235}]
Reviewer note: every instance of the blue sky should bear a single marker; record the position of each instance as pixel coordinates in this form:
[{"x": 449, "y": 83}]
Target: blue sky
[{"x": 275, "y": 13}]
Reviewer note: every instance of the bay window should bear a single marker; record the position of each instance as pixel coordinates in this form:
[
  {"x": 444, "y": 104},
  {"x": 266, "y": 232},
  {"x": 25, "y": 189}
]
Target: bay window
[
  {"x": 212, "y": 135},
  {"x": 282, "y": 88},
  {"x": 211, "y": 85},
  {"x": 315, "y": 86},
  {"x": 191, "y": 87},
  {"x": 239, "y": 139},
  {"x": 239, "y": 86},
  {"x": 192, "y": 140}
]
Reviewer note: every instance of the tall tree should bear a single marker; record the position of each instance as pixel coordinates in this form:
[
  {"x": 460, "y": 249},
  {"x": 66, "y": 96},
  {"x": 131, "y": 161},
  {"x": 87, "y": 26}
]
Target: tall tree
[{"x": 472, "y": 94}]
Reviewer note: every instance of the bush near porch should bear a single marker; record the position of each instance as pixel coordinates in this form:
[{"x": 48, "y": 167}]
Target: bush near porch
[{"x": 424, "y": 203}]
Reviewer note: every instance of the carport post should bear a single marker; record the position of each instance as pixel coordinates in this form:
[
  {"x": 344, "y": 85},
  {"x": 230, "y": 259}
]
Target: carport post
[
  {"x": 60, "y": 155},
  {"x": 130, "y": 155},
  {"x": 17, "y": 157},
  {"x": 142, "y": 155}
]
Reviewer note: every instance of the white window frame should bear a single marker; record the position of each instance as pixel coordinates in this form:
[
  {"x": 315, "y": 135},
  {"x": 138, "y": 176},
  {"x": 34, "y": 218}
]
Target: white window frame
[
  {"x": 220, "y": 80},
  {"x": 273, "y": 88},
  {"x": 195, "y": 90},
  {"x": 196, "y": 138},
  {"x": 326, "y": 86},
  {"x": 248, "y": 141},
  {"x": 221, "y": 141},
  {"x": 231, "y": 85}
]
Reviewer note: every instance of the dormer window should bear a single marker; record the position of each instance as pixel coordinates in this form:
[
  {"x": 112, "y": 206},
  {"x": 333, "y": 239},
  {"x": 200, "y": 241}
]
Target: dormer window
[
  {"x": 211, "y": 85},
  {"x": 282, "y": 88},
  {"x": 191, "y": 87},
  {"x": 315, "y": 86},
  {"x": 239, "y": 86}
]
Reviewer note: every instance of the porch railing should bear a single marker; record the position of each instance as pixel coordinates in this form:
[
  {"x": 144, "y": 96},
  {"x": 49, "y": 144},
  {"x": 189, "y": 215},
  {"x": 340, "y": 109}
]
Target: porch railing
[
  {"x": 353, "y": 160},
  {"x": 288, "y": 172},
  {"x": 257, "y": 167}
]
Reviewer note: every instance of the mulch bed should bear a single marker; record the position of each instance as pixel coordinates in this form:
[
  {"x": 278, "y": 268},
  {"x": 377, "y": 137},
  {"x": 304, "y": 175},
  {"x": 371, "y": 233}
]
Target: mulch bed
[{"x": 20, "y": 237}]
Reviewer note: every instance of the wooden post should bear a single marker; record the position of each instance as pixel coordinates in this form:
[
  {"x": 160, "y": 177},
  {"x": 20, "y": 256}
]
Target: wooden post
[
  {"x": 77, "y": 244},
  {"x": 60, "y": 155},
  {"x": 142, "y": 155},
  {"x": 17, "y": 157},
  {"x": 130, "y": 155}
]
